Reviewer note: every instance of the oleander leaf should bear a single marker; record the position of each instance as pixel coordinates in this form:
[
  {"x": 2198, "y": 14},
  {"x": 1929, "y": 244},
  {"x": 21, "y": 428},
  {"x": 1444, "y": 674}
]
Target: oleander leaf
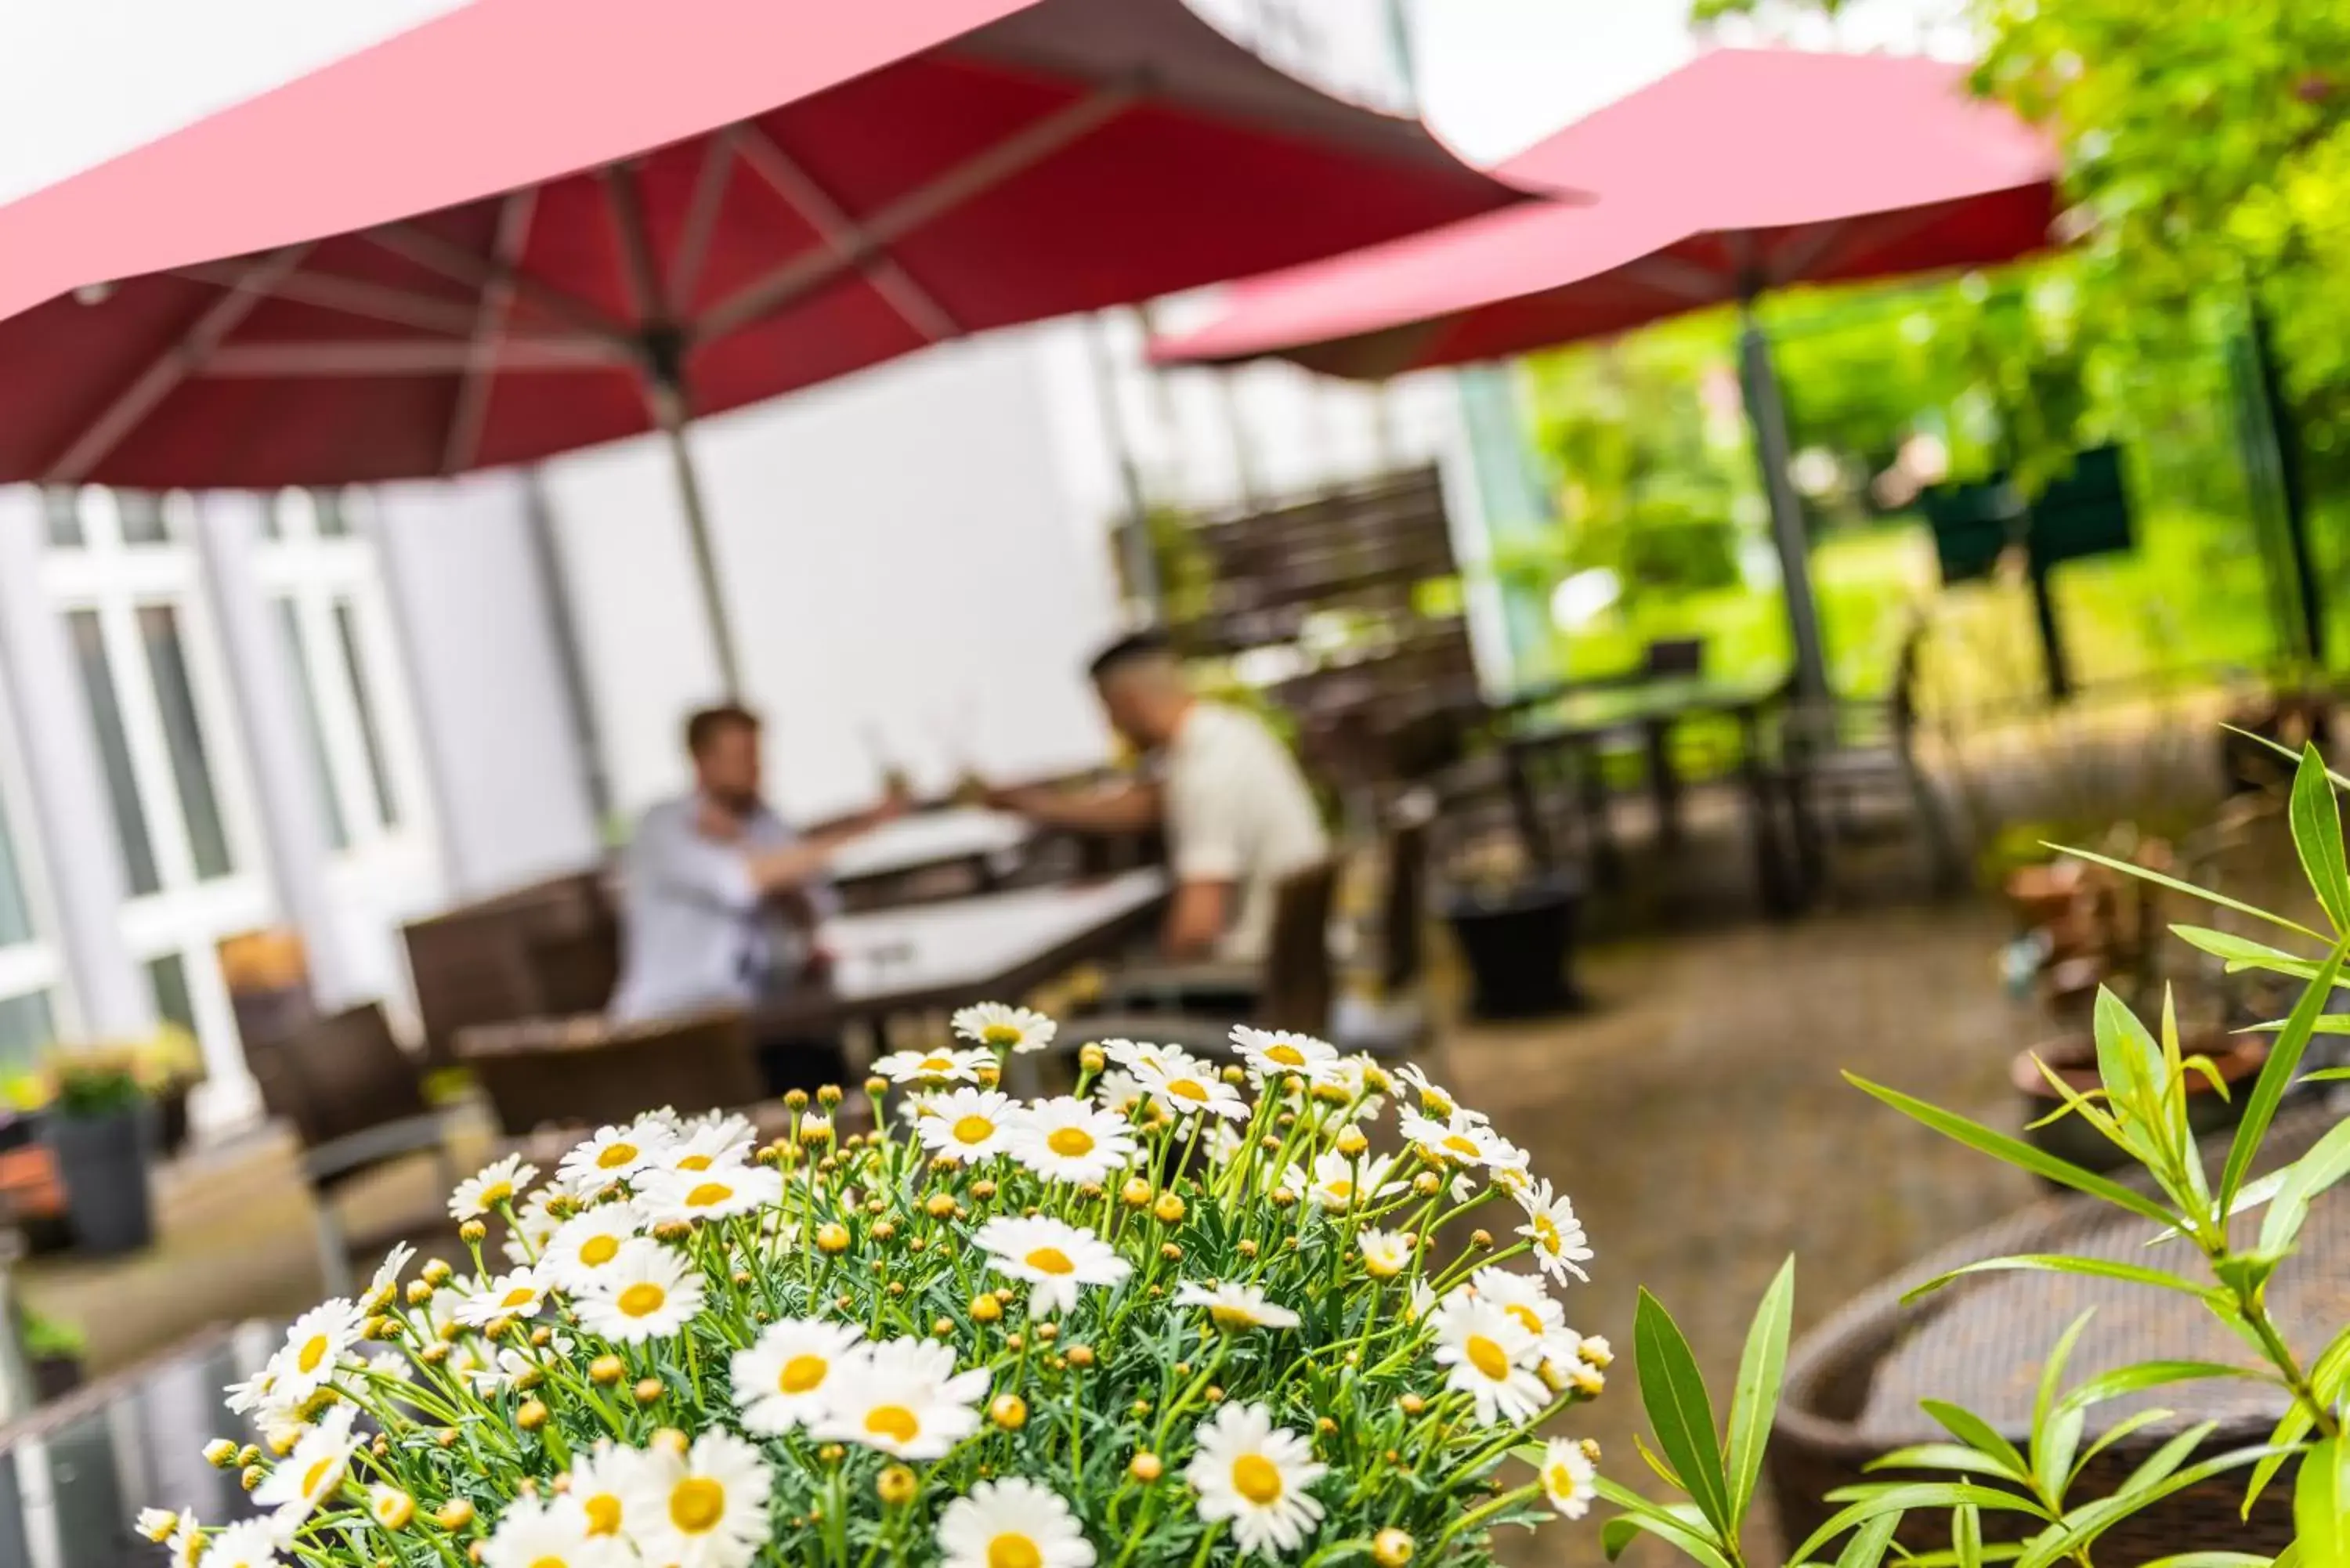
[
  {"x": 1755, "y": 1398},
  {"x": 2317, "y": 837},
  {"x": 2277, "y": 1075},
  {"x": 1678, "y": 1411}
]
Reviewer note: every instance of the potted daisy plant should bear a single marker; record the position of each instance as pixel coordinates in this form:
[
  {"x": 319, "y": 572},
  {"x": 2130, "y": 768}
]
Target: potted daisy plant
[{"x": 1184, "y": 1313}]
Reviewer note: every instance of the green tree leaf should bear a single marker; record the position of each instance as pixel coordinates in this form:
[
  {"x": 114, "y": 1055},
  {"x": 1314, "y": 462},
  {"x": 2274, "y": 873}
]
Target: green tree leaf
[
  {"x": 1958, "y": 1457},
  {"x": 1899, "y": 1499},
  {"x": 2277, "y": 1073},
  {"x": 2327, "y": 1162},
  {"x": 2320, "y": 1506},
  {"x": 1678, "y": 1411},
  {"x": 2317, "y": 837},
  {"x": 2066, "y": 1264},
  {"x": 1755, "y": 1398},
  {"x": 2288, "y": 1433},
  {"x": 2176, "y": 886},
  {"x": 1977, "y": 1433},
  {"x": 1866, "y": 1548},
  {"x": 2144, "y": 1375}
]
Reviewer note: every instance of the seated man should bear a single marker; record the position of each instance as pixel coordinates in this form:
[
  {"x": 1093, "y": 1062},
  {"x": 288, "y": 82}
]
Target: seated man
[
  {"x": 1236, "y": 810},
  {"x": 720, "y": 898}
]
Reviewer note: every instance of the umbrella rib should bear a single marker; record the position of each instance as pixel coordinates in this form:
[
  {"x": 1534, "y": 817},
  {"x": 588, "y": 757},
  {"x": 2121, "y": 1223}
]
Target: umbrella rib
[
  {"x": 640, "y": 271},
  {"x": 350, "y": 295},
  {"x": 700, "y": 220},
  {"x": 972, "y": 177},
  {"x": 788, "y": 179},
  {"x": 1682, "y": 278},
  {"x": 365, "y": 357},
  {"x": 187, "y": 354},
  {"x": 472, "y": 410},
  {"x": 427, "y": 249}
]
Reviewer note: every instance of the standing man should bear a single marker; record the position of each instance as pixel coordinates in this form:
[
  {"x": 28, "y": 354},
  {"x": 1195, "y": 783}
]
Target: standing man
[
  {"x": 720, "y": 898},
  {"x": 1237, "y": 812}
]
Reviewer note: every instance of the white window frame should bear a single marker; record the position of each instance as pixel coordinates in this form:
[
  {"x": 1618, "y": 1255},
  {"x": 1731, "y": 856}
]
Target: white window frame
[
  {"x": 35, "y": 966},
  {"x": 186, "y": 915},
  {"x": 316, "y": 573}
]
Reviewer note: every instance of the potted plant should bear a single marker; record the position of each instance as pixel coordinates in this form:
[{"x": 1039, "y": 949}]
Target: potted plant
[
  {"x": 100, "y": 1129},
  {"x": 55, "y": 1353}
]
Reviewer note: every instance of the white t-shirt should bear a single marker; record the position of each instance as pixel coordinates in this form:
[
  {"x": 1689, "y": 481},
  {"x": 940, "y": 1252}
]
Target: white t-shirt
[{"x": 1238, "y": 810}]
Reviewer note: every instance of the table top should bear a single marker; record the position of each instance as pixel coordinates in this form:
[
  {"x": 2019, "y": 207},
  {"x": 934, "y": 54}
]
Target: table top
[
  {"x": 75, "y": 1474},
  {"x": 931, "y": 838},
  {"x": 1583, "y": 711},
  {"x": 969, "y": 949}
]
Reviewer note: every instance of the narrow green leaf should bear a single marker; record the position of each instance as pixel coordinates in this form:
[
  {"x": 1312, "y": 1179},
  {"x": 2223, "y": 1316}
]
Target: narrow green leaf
[
  {"x": 2277, "y": 1073},
  {"x": 2129, "y": 1061},
  {"x": 1977, "y": 1433},
  {"x": 1641, "y": 1514},
  {"x": 2052, "y": 1372},
  {"x": 1755, "y": 1398},
  {"x": 1867, "y": 1547},
  {"x": 1663, "y": 1471},
  {"x": 2211, "y": 1560},
  {"x": 2163, "y": 1463},
  {"x": 2176, "y": 886},
  {"x": 2115, "y": 1434},
  {"x": 2083, "y": 1525},
  {"x": 2015, "y": 1152},
  {"x": 2066, "y": 1263},
  {"x": 1958, "y": 1457},
  {"x": 1900, "y": 1499},
  {"x": 2145, "y": 1375},
  {"x": 2317, "y": 837},
  {"x": 1678, "y": 1411},
  {"x": 1966, "y": 1536},
  {"x": 2327, "y": 1162},
  {"x": 2331, "y": 1074},
  {"x": 2320, "y": 1506},
  {"x": 2236, "y": 950},
  {"x": 2053, "y": 1444},
  {"x": 2287, "y": 1436},
  {"x": 2280, "y": 749}
]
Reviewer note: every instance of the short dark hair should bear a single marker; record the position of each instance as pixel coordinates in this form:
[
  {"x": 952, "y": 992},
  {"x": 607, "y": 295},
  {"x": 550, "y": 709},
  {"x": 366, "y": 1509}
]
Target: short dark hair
[
  {"x": 708, "y": 723},
  {"x": 1131, "y": 649}
]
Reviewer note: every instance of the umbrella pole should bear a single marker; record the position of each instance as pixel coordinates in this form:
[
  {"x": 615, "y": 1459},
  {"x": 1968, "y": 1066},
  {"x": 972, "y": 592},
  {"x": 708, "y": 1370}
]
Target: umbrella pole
[
  {"x": 669, "y": 410},
  {"x": 1768, "y": 415}
]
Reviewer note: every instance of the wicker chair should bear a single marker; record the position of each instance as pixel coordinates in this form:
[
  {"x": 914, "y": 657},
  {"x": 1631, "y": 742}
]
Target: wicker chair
[
  {"x": 351, "y": 1096},
  {"x": 1853, "y": 1383},
  {"x": 585, "y": 1072},
  {"x": 539, "y": 951}
]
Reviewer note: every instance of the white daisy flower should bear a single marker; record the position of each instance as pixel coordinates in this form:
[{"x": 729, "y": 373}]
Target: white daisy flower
[
  {"x": 1185, "y": 1089},
  {"x": 1567, "y": 1474},
  {"x": 1067, "y": 1139},
  {"x": 387, "y": 1273},
  {"x": 970, "y": 1124},
  {"x": 706, "y": 1508},
  {"x": 1118, "y": 1091},
  {"x": 944, "y": 1065},
  {"x": 1055, "y": 1258},
  {"x": 1337, "y": 1184},
  {"x": 157, "y": 1524},
  {"x": 248, "y": 1543},
  {"x": 601, "y": 1480},
  {"x": 389, "y": 1507},
  {"x": 518, "y": 1294},
  {"x": 1272, "y": 1053},
  {"x": 187, "y": 1543},
  {"x": 535, "y": 1534},
  {"x": 1459, "y": 1140},
  {"x": 613, "y": 1154},
  {"x": 903, "y": 1397},
  {"x": 1012, "y": 1523},
  {"x": 1560, "y": 1245},
  {"x": 1353, "y": 1072},
  {"x": 1235, "y": 1306},
  {"x": 1492, "y": 1358},
  {"x": 779, "y": 1382},
  {"x": 588, "y": 1243},
  {"x": 1255, "y": 1475},
  {"x": 1386, "y": 1253},
  {"x": 313, "y": 1473},
  {"x": 1004, "y": 1029},
  {"x": 1225, "y": 1142},
  {"x": 1139, "y": 1056},
  {"x": 719, "y": 1192},
  {"x": 499, "y": 1182},
  {"x": 710, "y": 1142},
  {"x": 1522, "y": 1298},
  {"x": 647, "y": 1293},
  {"x": 534, "y": 1224},
  {"x": 252, "y": 1392},
  {"x": 1435, "y": 1099},
  {"x": 315, "y": 1346}
]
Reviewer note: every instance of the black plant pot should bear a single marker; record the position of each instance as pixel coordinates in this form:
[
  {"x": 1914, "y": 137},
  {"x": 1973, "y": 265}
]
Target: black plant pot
[
  {"x": 54, "y": 1377},
  {"x": 1519, "y": 946},
  {"x": 102, "y": 1164}
]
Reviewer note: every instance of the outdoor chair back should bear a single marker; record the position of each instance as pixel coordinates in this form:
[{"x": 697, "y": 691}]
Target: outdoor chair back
[
  {"x": 537, "y": 952},
  {"x": 584, "y": 1071},
  {"x": 1298, "y": 985}
]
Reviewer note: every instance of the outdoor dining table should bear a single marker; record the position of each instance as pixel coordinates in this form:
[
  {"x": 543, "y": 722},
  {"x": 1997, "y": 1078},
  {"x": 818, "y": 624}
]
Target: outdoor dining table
[
  {"x": 1574, "y": 723},
  {"x": 966, "y": 848}
]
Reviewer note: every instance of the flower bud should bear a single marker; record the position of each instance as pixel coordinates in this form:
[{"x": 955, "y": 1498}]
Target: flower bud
[
  {"x": 942, "y": 1327},
  {"x": 1145, "y": 1466},
  {"x": 1481, "y": 1239},
  {"x": 1594, "y": 1352},
  {"x": 1392, "y": 1548},
  {"x": 876, "y": 1086},
  {"x": 795, "y": 1100},
  {"x": 532, "y": 1415},
  {"x": 1428, "y": 1184},
  {"x": 883, "y": 1230},
  {"x": 1233, "y": 1074},
  {"x": 896, "y": 1486},
  {"x": 1245, "y": 1246},
  {"x": 1081, "y": 1356},
  {"x": 607, "y": 1370},
  {"x": 648, "y": 1389},
  {"x": 1172, "y": 1252},
  {"x": 985, "y": 1308},
  {"x": 436, "y": 1274},
  {"x": 418, "y": 1293},
  {"x": 1284, "y": 1198},
  {"x": 983, "y": 1189},
  {"x": 454, "y": 1514},
  {"x": 668, "y": 1440},
  {"x": 1091, "y": 1059},
  {"x": 1009, "y": 1411},
  {"x": 220, "y": 1453},
  {"x": 1169, "y": 1209},
  {"x": 472, "y": 1232},
  {"x": 831, "y": 1454},
  {"x": 832, "y": 1236},
  {"x": 1212, "y": 1394},
  {"x": 828, "y": 1095},
  {"x": 1351, "y": 1142},
  {"x": 1135, "y": 1193},
  {"x": 939, "y": 1205},
  {"x": 1046, "y": 1333},
  {"x": 251, "y": 1476},
  {"x": 1326, "y": 1426},
  {"x": 1412, "y": 1404}
]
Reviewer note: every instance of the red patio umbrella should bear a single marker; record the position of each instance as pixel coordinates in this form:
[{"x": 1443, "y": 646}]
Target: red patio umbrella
[
  {"x": 1745, "y": 170},
  {"x": 530, "y": 225}
]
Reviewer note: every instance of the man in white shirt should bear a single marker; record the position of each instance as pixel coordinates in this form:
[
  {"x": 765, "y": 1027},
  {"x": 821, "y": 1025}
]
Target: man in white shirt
[
  {"x": 1237, "y": 812},
  {"x": 720, "y": 898}
]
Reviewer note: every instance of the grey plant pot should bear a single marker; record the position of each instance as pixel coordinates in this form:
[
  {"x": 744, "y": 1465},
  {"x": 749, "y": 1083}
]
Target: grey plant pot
[{"x": 102, "y": 1163}]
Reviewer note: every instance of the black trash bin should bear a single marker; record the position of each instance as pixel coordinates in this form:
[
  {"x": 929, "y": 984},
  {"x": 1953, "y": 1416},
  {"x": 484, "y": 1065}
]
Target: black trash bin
[{"x": 1518, "y": 945}]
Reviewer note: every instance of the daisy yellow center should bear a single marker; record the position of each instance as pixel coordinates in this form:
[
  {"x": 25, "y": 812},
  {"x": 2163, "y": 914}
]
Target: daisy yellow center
[
  {"x": 694, "y": 1162},
  {"x": 1547, "y": 1232},
  {"x": 1070, "y": 1142},
  {"x": 802, "y": 1373},
  {"x": 1486, "y": 1356},
  {"x": 313, "y": 1351},
  {"x": 1560, "y": 1480},
  {"x": 599, "y": 1251},
  {"x": 394, "y": 1511},
  {"x": 1340, "y": 1187},
  {"x": 1050, "y": 1261},
  {"x": 614, "y": 1156},
  {"x": 937, "y": 1063},
  {"x": 894, "y": 1422},
  {"x": 521, "y": 1296},
  {"x": 973, "y": 1129},
  {"x": 315, "y": 1476},
  {"x": 1527, "y": 1315},
  {"x": 1455, "y": 1144},
  {"x": 697, "y": 1505},
  {"x": 641, "y": 1300},
  {"x": 1012, "y": 1550},
  {"x": 1232, "y": 1316},
  {"x": 603, "y": 1512},
  {"x": 1287, "y": 1055},
  {"x": 496, "y": 1192},
  {"x": 1188, "y": 1089},
  {"x": 550, "y": 1561},
  {"x": 707, "y": 1194},
  {"x": 1001, "y": 1035},
  {"x": 1257, "y": 1479}
]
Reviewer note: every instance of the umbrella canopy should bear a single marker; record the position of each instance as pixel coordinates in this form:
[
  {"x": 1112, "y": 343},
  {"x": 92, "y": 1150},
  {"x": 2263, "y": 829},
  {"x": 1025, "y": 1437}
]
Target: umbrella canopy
[
  {"x": 482, "y": 241},
  {"x": 1745, "y": 170}
]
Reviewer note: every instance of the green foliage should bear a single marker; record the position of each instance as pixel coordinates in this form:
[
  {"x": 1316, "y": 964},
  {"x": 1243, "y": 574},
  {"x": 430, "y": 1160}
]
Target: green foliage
[
  {"x": 96, "y": 1083},
  {"x": 48, "y": 1338}
]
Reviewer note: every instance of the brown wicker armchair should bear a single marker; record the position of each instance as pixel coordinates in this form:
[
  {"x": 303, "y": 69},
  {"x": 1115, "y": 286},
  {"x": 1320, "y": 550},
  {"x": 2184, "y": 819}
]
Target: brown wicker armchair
[{"x": 585, "y": 1072}]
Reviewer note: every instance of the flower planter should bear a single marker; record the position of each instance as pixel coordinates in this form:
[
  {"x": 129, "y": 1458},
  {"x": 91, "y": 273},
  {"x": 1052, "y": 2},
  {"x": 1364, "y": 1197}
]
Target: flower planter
[
  {"x": 1519, "y": 946},
  {"x": 2073, "y": 1056},
  {"x": 102, "y": 1163}
]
